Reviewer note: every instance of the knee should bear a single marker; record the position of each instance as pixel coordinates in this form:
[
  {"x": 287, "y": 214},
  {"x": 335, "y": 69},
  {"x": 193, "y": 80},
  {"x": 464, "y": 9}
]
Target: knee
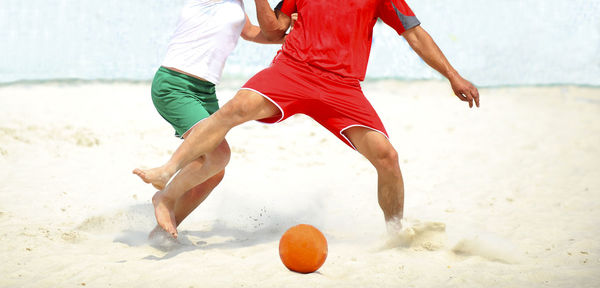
[
  {"x": 386, "y": 158},
  {"x": 222, "y": 154}
]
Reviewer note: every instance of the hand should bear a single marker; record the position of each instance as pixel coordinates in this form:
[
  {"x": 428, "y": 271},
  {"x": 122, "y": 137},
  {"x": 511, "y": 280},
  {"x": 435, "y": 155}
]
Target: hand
[
  {"x": 294, "y": 19},
  {"x": 465, "y": 91}
]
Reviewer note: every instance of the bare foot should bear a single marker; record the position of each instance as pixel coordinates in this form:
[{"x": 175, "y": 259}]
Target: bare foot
[
  {"x": 161, "y": 239},
  {"x": 158, "y": 177},
  {"x": 159, "y": 234},
  {"x": 164, "y": 213},
  {"x": 414, "y": 233}
]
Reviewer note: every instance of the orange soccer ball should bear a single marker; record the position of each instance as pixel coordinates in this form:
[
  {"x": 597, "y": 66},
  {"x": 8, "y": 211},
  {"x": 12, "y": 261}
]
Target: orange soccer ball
[{"x": 303, "y": 248}]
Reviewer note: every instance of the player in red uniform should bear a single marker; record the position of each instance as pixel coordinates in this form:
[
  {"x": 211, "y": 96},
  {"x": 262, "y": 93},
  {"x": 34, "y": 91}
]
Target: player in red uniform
[{"x": 318, "y": 73}]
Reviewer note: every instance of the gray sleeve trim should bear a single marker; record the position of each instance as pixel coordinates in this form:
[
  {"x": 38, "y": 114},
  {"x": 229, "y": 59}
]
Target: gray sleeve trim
[{"x": 407, "y": 21}]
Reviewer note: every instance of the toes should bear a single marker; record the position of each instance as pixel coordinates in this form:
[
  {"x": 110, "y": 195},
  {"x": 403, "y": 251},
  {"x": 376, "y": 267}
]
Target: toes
[
  {"x": 140, "y": 173},
  {"x": 171, "y": 230}
]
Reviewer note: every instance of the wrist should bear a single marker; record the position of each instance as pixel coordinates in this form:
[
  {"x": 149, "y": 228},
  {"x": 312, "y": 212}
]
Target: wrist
[{"x": 452, "y": 75}]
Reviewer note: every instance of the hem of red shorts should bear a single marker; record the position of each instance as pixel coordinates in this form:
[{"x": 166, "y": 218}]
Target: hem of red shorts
[
  {"x": 268, "y": 98},
  {"x": 359, "y": 125}
]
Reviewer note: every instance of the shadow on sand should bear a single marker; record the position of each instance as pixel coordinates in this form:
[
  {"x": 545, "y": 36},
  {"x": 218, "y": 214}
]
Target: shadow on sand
[{"x": 221, "y": 235}]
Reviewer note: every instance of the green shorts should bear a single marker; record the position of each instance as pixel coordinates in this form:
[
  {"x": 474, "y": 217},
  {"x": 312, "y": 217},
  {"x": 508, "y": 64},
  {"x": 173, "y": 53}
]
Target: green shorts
[{"x": 182, "y": 100}]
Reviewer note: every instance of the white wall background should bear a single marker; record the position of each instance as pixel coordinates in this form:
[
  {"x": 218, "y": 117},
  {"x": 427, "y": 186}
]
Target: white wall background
[{"x": 492, "y": 43}]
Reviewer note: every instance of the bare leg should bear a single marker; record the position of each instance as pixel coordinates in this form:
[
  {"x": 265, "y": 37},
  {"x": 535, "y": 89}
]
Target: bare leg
[
  {"x": 245, "y": 106},
  {"x": 191, "y": 199},
  {"x": 380, "y": 152},
  {"x": 194, "y": 174},
  {"x": 208, "y": 134}
]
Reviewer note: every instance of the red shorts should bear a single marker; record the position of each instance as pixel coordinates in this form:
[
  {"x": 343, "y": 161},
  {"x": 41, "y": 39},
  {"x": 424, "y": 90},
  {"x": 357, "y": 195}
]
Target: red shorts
[{"x": 335, "y": 102}]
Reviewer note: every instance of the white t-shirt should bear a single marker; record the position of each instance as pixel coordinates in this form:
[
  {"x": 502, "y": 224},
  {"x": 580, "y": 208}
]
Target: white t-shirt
[{"x": 207, "y": 32}]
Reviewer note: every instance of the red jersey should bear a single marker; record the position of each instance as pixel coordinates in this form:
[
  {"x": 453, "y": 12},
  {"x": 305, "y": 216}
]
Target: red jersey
[{"x": 336, "y": 35}]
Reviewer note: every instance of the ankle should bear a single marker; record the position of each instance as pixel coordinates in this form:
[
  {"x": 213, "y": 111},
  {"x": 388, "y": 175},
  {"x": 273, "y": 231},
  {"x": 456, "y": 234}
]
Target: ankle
[{"x": 169, "y": 169}]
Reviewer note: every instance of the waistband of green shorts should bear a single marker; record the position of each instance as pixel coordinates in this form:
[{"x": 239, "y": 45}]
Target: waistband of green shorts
[{"x": 189, "y": 78}]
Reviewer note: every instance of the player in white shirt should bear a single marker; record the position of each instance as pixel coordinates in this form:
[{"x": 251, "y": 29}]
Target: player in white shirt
[{"x": 183, "y": 92}]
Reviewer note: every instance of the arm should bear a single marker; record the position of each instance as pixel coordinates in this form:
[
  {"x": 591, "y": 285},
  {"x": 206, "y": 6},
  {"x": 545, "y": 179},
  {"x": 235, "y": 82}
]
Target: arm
[
  {"x": 420, "y": 41},
  {"x": 253, "y": 33},
  {"x": 272, "y": 25}
]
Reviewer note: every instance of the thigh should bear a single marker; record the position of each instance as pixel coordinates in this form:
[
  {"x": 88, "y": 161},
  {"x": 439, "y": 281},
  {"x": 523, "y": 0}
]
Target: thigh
[
  {"x": 285, "y": 85},
  {"x": 344, "y": 107},
  {"x": 370, "y": 143},
  {"x": 246, "y": 105}
]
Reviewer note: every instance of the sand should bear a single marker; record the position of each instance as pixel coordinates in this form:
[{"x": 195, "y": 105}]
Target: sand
[{"x": 503, "y": 196}]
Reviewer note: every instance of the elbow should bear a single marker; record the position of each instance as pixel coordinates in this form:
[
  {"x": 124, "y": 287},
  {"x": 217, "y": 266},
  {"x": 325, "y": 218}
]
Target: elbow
[
  {"x": 273, "y": 30},
  {"x": 415, "y": 42},
  {"x": 416, "y": 46},
  {"x": 245, "y": 36},
  {"x": 276, "y": 36}
]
